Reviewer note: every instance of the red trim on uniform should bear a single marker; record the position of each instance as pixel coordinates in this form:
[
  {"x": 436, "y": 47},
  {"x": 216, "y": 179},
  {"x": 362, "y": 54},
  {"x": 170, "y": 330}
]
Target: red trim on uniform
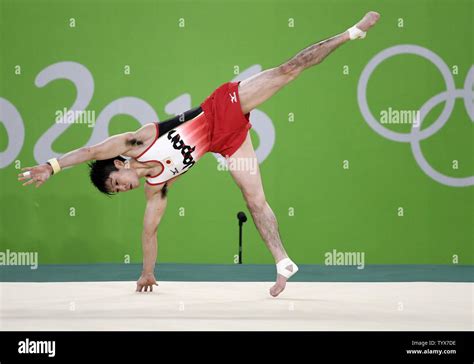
[
  {"x": 155, "y": 184},
  {"x": 162, "y": 166},
  {"x": 156, "y": 137}
]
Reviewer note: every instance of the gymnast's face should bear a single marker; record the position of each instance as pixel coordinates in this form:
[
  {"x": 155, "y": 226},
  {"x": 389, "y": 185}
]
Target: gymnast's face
[{"x": 123, "y": 180}]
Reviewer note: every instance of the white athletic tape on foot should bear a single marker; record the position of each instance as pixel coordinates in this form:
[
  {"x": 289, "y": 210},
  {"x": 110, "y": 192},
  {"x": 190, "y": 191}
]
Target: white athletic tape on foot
[
  {"x": 286, "y": 267},
  {"x": 356, "y": 33}
]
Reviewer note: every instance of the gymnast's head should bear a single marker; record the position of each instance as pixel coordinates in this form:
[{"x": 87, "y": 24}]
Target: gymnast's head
[{"x": 114, "y": 175}]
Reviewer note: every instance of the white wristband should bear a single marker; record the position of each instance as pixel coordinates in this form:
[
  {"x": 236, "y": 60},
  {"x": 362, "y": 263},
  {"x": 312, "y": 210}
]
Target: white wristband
[{"x": 53, "y": 162}]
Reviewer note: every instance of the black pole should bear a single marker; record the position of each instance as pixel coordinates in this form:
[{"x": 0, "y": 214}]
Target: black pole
[{"x": 242, "y": 218}]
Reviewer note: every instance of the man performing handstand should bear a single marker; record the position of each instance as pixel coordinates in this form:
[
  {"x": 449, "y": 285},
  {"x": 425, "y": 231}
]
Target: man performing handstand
[{"x": 162, "y": 152}]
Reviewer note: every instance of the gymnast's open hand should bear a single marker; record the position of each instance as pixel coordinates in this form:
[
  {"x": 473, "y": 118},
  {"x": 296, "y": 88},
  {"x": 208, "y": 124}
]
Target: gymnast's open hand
[
  {"x": 38, "y": 174},
  {"x": 146, "y": 280}
]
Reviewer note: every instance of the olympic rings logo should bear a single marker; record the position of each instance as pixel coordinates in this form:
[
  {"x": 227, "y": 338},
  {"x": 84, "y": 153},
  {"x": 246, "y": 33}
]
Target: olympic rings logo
[{"x": 416, "y": 134}]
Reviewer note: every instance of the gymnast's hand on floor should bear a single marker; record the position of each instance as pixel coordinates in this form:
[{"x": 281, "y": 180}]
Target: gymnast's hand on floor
[
  {"x": 38, "y": 174},
  {"x": 146, "y": 281}
]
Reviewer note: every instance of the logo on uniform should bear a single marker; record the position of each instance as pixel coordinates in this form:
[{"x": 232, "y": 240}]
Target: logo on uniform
[
  {"x": 186, "y": 150},
  {"x": 233, "y": 97}
]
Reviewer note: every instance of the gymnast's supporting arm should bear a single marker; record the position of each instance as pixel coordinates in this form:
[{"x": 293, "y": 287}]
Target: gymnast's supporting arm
[{"x": 155, "y": 208}]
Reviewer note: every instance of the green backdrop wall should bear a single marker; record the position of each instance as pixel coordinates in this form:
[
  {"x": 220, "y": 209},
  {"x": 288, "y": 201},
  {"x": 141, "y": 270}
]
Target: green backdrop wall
[{"x": 171, "y": 55}]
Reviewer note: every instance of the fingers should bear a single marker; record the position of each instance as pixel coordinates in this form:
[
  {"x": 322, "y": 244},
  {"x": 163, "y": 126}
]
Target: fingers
[
  {"x": 27, "y": 175},
  {"x": 145, "y": 288},
  {"x": 39, "y": 180},
  {"x": 28, "y": 182},
  {"x": 24, "y": 175},
  {"x": 141, "y": 288}
]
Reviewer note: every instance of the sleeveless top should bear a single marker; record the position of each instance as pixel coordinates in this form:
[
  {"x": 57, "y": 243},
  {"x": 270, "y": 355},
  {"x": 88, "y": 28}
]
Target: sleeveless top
[{"x": 179, "y": 143}]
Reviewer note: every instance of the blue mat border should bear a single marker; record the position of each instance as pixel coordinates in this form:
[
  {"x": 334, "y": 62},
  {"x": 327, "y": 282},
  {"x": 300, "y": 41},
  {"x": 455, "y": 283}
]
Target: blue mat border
[{"x": 237, "y": 273}]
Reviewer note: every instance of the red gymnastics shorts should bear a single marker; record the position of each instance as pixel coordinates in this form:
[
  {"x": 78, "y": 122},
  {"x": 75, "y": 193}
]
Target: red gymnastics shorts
[{"x": 228, "y": 125}]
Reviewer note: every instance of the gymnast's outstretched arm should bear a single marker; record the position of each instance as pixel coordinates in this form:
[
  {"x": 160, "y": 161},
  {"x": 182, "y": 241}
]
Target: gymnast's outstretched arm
[{"x": 120, "y": 144}]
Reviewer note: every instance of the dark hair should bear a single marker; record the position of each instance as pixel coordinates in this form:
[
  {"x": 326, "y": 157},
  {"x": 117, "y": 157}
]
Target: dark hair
[{"x": 100, "y": 171}]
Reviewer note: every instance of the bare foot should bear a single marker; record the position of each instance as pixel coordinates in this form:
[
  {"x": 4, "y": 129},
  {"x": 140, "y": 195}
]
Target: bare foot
[
  {"x": 368, "y": 21},
  {"x": 279, "y": 285}
]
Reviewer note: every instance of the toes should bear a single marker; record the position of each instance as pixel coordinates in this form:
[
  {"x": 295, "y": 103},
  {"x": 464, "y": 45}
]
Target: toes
[
  {"x": 374, "y": 17},
  {"x": 276, "y": 290}
]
